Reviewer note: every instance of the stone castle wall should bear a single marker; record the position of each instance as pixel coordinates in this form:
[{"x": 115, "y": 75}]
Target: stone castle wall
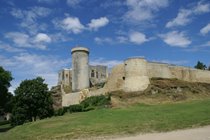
[
  {"x": 159, "y": 70},
  {"x": 132, "y": 75}
]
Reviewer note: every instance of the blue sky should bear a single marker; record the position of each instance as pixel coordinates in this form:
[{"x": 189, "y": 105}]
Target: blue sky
[{"x": 36, "y": 36}]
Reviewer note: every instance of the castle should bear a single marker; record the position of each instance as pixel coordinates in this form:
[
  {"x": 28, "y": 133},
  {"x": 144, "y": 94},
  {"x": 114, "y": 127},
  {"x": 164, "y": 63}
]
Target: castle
[{"x": 131, "y": 76}]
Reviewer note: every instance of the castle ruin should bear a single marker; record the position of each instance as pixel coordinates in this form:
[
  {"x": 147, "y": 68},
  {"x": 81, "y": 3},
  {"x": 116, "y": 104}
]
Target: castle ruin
[{"x": 131, "y": 76}]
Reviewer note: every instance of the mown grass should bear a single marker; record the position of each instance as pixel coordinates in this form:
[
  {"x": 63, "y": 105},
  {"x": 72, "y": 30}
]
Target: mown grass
[{"x": 139, "y": 118}]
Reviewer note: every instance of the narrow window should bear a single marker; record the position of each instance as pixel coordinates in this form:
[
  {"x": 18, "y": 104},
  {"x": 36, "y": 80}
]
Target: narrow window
[
  {"x": 62, "y": 75},
  {"x": 96, "y": 74},
  {"x": 92, "y": 73}
]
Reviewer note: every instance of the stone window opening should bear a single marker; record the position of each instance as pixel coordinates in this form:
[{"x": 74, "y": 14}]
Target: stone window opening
[
  {"x": 62, "y": 76},
  {"x": 92, "y": 73},
  {"x": 96, "y": 74}
]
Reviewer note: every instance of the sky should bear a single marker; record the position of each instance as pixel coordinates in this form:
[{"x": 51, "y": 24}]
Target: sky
[{"x": 36, "y": 36}]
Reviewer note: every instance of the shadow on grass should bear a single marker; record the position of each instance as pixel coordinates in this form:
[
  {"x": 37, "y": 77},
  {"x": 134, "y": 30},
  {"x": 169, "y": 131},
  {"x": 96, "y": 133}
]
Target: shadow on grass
[{"x": 6, "y": 129}]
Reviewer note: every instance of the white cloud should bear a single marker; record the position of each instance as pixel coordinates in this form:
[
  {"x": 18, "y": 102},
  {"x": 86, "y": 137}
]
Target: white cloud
[
  {"x": 97, "y": 23},
  {"x": 133, "y": 37},
  {"x": 60, "y": 37},
  {"x": 201, "y": 8},
  {"x": 25, "y": 41},
  {"x": 29, "y": 18},
  {"x": 72, "y": 24},
  {"x": 176, "y": 39},
  {"x": 9, "y": 48},
  {"x": 27, "y": 66},
  {"x": 207, "y": 44},
  {"x": 21, "y": 39},
  {"x": 185, "y": 16},
  {"x": 41, "y": 37},
  {"x": 143, "y": 10},
  {"x": 137, "y": 37},
  {"x": 102, "y": 61},
  {"x": 111, "y": 3},
  {"x": 181, "y": 19},
  {"x": 205, "y": 30},
  {"x": 73, "y": 3},
  {"x": 99, "y": 40},
  {"x": 122, "y": 39}
]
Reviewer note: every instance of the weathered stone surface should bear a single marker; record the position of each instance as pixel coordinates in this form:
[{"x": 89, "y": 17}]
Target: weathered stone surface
[
  {"x": 80, "y": 68},
  {"x": 57, "y": 97},
  {"x": 136, "y": 76}
]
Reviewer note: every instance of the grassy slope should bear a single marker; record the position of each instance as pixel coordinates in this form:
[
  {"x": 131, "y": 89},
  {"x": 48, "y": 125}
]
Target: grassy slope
[{"x": 138, "y": 118}]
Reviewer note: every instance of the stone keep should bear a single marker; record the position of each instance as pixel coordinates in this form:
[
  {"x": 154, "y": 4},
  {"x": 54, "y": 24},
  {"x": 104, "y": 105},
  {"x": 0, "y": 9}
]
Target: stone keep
[{"x": 80, "y": 68}]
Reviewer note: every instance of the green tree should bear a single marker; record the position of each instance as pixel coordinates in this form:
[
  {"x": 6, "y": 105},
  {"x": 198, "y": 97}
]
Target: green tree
[
  {"x": 32, "y": 101},
  {"x": 209, "y": 68},
  {"x": 5, "y": 96},
  {"x": 200, "y": 65}
]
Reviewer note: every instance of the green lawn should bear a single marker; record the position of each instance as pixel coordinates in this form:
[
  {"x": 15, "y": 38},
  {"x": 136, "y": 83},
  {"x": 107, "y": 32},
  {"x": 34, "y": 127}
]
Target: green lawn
[{"x": 139, "y": 118}]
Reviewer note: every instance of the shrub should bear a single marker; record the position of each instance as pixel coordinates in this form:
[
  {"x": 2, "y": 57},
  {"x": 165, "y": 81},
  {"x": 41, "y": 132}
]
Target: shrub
[
  {"x": 73, "y": 108},
  {"x": 88, "y": 104},
  {"x": 96, "y": 101},
  {"x": 59, "y": 112}
]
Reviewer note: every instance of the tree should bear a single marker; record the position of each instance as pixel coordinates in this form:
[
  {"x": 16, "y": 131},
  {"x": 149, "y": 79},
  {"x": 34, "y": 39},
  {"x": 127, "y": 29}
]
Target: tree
[
  {"x": 32, "y": 101},
  {"x": 209, "y": 68},
  {"x": 5, "y": 96},
  {"x": 200, "y": 65}
]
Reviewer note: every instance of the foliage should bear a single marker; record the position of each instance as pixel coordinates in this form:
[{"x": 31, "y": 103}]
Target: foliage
[
  {"x": 32, "y": 101},
  {"x": 74, "y": 108},
  {"x": 59, "y": 112},
  {"x": 200, "y": 65},
  {"x": 96, "y": 101},
  {"x": 5, "y": 96},
  {"x": 88, "y": 104}
]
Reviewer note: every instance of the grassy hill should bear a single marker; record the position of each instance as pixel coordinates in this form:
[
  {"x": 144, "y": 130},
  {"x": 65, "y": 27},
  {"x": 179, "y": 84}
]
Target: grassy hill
[
  {"x": 139, "y": 118},
  {"x": 166, "y": 105}
]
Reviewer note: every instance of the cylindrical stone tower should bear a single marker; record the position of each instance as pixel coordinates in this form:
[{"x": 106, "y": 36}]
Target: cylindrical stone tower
[
  {"x": 80, "y": 68},
  {"x": 136, "y": 77}
]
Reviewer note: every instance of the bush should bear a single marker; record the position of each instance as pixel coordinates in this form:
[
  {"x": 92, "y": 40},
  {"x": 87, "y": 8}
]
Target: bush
[
  {"x": 96, "y": 101},
  {"x": 59, "y": 112},
  {"x": 88, "y": 104},
  {"x": 75, "y": 108}
]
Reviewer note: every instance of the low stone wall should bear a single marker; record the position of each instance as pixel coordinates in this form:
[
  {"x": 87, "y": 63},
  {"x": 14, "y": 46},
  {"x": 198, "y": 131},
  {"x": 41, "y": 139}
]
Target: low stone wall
[
  {"x": 77, "y": 97},
  {"x": 71, "y": 99}
]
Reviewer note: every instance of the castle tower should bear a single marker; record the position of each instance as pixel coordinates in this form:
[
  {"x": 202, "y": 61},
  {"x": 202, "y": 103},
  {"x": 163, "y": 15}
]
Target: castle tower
[
  {"x": 136, "y": 77},
  {"x": 80, "y": 68}
]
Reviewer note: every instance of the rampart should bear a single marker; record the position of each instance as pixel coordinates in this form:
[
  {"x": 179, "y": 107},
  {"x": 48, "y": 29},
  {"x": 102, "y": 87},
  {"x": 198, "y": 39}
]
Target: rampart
[
  {"x": 131, "y": 76},
  {"x": 134, "y": 73}
]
